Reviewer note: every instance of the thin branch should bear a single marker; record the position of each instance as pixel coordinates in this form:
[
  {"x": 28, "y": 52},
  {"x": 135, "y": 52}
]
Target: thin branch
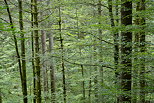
[
  {"x": 79, "y": 64},
  {"x": 105, "y": 41},
  {"x": 4, "y": 20}
]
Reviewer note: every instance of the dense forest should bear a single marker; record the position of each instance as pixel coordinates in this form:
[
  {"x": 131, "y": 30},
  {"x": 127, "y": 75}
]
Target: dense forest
[{"x": 77, "y": 51}]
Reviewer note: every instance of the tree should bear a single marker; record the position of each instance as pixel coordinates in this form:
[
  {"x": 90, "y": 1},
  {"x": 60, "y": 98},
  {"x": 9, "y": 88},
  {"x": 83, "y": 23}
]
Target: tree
[
  {"x": 62, "y": 51},
  {"x": 37, "y": 58},
  {"x": 100, "y": 50},
  {"x": 126, "y": 51},
  {"x": 21, "y": 66},
  {"x": 23, "y": 59},
  {"x": 33, "y": 54},
  {"x": 52, "y": 70},
  {"x": 88, "y": 53},
  {"x": 0, "y": 96},
  {"x": 142, "y": 50},
  {"x": 135, "y": 59}
]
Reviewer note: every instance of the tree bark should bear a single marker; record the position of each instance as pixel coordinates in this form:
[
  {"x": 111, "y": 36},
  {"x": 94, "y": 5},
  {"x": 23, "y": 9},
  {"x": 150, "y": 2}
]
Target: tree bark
[
  {"x": 15, "y": 43},
  {"x": 116, "y": 37},
  {"x": 0, "y": 96},
  {"x": 142, "y": 50},
  {"x": 126, "y": 52},
  {"x": 52, "y": 70},
  {"x": 135, "y": 60},
  {"x": 33, "y": 56},
  {"x": 62, "y": 55},
  {"x": 80, "y": 36},
  {"x": 37, "y": 58},
  {"x": 23, "y": 65},
  {"x": 44, "y": 68},
  {"x": 100, "y": 50}
]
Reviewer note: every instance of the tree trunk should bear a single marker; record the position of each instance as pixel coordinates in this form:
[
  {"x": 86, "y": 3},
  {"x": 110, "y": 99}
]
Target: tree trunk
[
  {"x": 37, "y": 58},
  {"x": 80, "y": 36},
  {"x": 135, "y": 60},
  {"x": 96, "y": 78},
  {"x": 142, "y": 50},
  {"x": 83, "y": 85},
  {"x": 62, "y": 56},
  {"x": 101, "y": 96},
  {"x": 44, "y": 68},
  {"x": 32, "y": 43},
  {"x": 0, "y": 96},
  {"x": 24, "y": 89},
  {"x": 52, "y": 70},
  {"x": 116, "y": 37},
  {"x": 15, "y": 42},
  {"x": 126, "y": 52}
]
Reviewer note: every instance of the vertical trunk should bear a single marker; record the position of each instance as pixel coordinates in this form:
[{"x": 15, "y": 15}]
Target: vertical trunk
[
  {"x": 116, "y": 45},
  {"x": 23, "y": 65},
  {"x": 115, "y": 36},
  {"x": 83, "y": 85},
  {"x": 96, "y": 76},
  {"x": 37, "y": 58},
  {"x": 100, "y": 51},
  {"x": 96, "y": 83},
  {"x": 117, "y": 11},
  {"x": 44, "y": 68},
  {"x": 80, "y": 36},
  {"x": 126, "y": 51},
  {"x": 15, "y": 42},
  {"x": 111, "y": 13},
  {"x": 0, "y": 96},
  {"x": 52, "y": 67},
  {"x": 52, "y": 71},
  {"x": 62, "y": 56},
  {"x": 90, "y": 85},
  {"x": 32, "y": 41},
  {"x": 142, "y": 50},
  {"x": 136, "y": 60},
  {"x": 90, "y": 81}
]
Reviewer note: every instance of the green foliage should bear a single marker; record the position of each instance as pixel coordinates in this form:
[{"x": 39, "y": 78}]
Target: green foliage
[{"x": 82, "y": 44}]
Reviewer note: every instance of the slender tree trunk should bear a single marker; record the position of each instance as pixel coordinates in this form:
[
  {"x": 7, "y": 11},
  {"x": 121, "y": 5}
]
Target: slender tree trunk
[
  {"x": 15, "y": 43},
  {"x": 136, "y": 60},
  {"x": 90, "y": 81},
  {"x": 52, "y": 67},
  {"x": 80, "y": 36},
  {"x": 32, "y": 43},
  {"x": 126, "y": 52},
  {"x": 90, "y": 86},
  {"x": 83, "y": 85},
  {"x": 101, "y": 96},
  {"x": 115, "y": 36},
  {"x": 52, "y": 70},
  {"x": 37, "y": 58},
  {"x": 111, "y": 13},
  {"x": 62, "y": 57},
  {"x": 0, "y": 96},
  {"x": 44, "y": 68},
  {"x": 96, "y": 86},
  {"x": 96, "y": 77},
  {"x": 117, "y": 12},
  {"x": 142, "y": 50},
  {"x": 23, "y": 51}
]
